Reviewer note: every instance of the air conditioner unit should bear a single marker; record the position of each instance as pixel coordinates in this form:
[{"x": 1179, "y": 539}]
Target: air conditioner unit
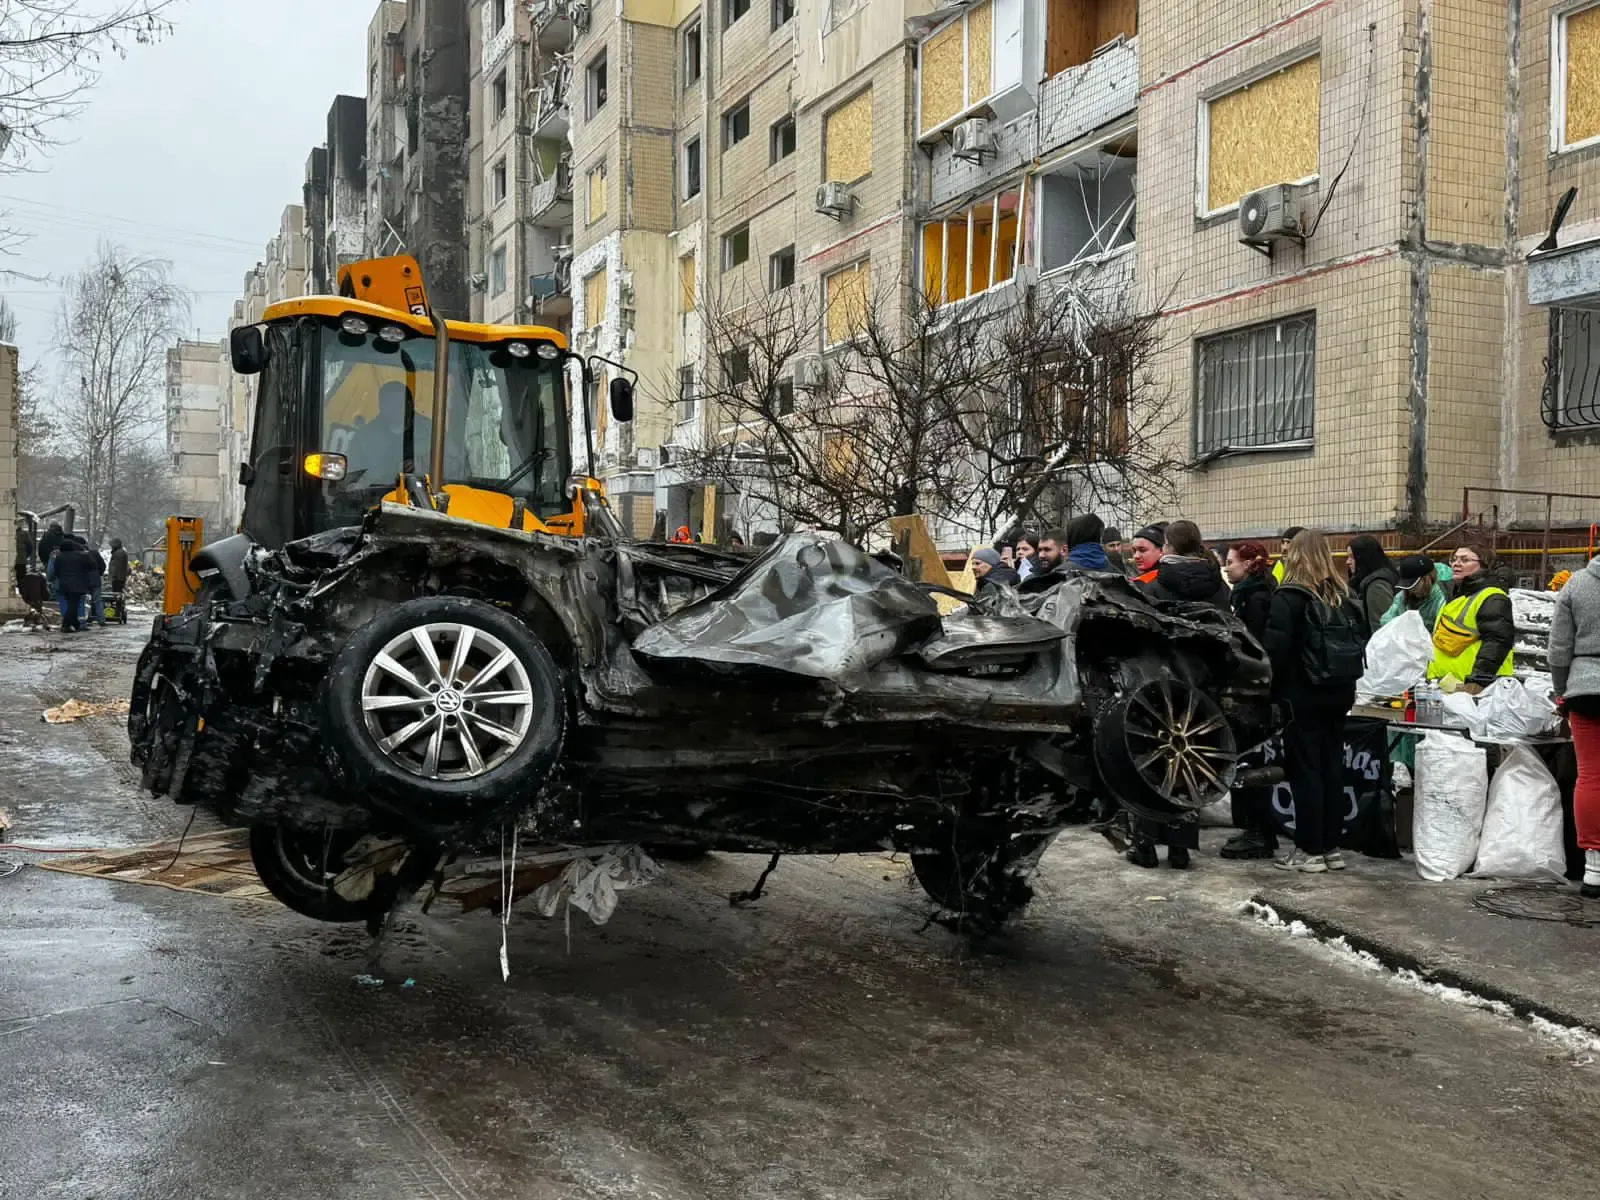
[
  {"x": 810, "y": 373},
  {"x": 972, "y": 140},
  {"x": 835, "y": 200},
  {"x": 1270, "y": 215}
]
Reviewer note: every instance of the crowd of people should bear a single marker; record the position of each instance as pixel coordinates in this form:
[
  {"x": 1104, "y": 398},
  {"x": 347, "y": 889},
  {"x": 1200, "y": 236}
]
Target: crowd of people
[
  {"x": 1314, "y": 616},
  {"x": 76, "y": 574}
]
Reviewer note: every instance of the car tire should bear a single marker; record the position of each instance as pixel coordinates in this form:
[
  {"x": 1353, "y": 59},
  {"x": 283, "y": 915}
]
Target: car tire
[
  {"x": 446, "y": 746},
  {"x": 298, "y": 867},
  {"x": 982, "y": 884},
  {"x": 1159, "y": 726}
]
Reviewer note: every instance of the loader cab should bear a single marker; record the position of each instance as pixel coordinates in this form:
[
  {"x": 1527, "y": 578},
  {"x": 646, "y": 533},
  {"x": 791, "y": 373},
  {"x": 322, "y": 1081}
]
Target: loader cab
[{"x": 345, "y": 408}]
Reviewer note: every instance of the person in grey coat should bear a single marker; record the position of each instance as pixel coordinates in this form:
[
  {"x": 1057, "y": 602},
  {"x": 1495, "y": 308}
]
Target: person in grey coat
[{"x": 1575, "y": 672}]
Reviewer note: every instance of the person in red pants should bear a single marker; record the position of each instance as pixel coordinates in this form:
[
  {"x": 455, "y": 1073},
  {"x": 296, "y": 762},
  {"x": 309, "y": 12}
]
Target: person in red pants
[{"x": 1575, "y": 672}]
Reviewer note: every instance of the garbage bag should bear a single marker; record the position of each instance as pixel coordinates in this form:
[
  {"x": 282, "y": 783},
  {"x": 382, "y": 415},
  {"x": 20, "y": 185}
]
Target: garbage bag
[
  {"x": 1516, "y": 708},
  {"x": 1522, "y": 830},
  {"x": 1397, "y": 657},
  {"x": 1452, "y": 787}
]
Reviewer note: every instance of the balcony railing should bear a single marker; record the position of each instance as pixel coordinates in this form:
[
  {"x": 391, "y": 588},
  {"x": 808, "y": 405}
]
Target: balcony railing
[
  {"x": 1085, "y": 97},
  {"x": 551, "y": 199},
  {"x": 496, "y": 46}
]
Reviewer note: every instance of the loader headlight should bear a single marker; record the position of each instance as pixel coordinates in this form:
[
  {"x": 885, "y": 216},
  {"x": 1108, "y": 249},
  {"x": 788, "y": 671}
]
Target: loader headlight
[
  {"x": 355, "y": 327},
  {"x": 548, "y": 351},
  {"x": 393, "y": 334},
  {"x": 518, "y": 349}
]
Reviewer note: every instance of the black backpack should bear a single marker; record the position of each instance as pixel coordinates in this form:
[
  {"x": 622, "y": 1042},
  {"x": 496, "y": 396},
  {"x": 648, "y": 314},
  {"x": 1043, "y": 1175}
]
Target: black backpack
[{"x": 1333, "y": 650}]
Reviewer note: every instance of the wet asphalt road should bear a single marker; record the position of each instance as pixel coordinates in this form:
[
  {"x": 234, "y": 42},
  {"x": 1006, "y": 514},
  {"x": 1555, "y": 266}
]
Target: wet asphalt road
[{"x": 1132, "y": 1036}]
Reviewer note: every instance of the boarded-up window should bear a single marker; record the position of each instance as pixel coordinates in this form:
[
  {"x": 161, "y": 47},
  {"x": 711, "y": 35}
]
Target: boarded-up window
[
  {"x": 847, "y": 140},
  {"x": 845, "y": 294},
  {"x": 1578, "y": 61},
  {"x": 955, "y": 68},
  {"x": 1074, "y": 29},
  {"x": 974, "y": 250},
  {"x": 1266, "y": 132},
  {"x": 597, "y": 193},
  {"x": 594, "y": 298},
  {"x": 686, "y": 282}
]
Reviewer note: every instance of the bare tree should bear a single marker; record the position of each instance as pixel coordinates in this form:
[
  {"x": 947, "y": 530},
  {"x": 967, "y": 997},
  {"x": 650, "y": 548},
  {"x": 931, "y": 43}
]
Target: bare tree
[
  {"x": 51, "y": 52},
  {"x": 119, "y": 316},
  {"x": 146, "y": 496}
]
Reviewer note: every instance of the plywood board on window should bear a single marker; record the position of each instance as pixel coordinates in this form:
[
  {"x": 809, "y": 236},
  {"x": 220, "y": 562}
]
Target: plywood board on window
[
  {"x": 594, "y": 297},
  {"x": 980, "y": 52},
  {"x": 846, "y": 293},
  {"x": 1113, "y": 17},
  {"x": 847, "y": 139},
  {"x": 1266, "y": 132},
  {"x": 686, "y": 283},
  {"x": 1071, "y": 27},
  {"x": 942, "y": 79},
  {"x": 597, "y": 194},
  {"x": 1583, "y": 75}
]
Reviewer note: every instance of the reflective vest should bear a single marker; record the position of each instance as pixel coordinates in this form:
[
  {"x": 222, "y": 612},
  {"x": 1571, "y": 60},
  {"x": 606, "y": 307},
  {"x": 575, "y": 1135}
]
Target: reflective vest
[
  {"x": 1456, "y": 641},
  {"x": 1277, "y": 571}
]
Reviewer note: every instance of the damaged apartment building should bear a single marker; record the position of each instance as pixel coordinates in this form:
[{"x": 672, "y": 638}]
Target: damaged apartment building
[{"x": 1336, "y": 202}]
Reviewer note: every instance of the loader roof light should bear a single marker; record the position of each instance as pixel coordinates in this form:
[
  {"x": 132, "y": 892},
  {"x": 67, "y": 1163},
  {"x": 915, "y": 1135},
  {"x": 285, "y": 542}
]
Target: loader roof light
[
  {"x": 392, "y": 334},
  {"x": 331, "y": 467},
  {"x": 355, "y": 327},
  {"x": 548, "y": 351},
  {"x": 518, "y": 349}
]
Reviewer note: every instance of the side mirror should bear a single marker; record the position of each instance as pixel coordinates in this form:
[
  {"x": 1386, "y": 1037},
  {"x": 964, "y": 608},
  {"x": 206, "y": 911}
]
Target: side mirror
[
  {"x": 248, "y": 349},
  {"x": 622, "y": 399}
]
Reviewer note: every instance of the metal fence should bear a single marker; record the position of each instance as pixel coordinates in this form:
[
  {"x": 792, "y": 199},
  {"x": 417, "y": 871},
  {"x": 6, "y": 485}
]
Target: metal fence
[{"x": 1256, "y": 387}]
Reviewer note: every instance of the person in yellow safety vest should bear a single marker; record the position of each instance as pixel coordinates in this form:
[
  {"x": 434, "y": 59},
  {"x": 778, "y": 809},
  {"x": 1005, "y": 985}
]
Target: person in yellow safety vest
[
  {"x": 1283, "y": 548},
  {"x": 1473, "y": 637}
]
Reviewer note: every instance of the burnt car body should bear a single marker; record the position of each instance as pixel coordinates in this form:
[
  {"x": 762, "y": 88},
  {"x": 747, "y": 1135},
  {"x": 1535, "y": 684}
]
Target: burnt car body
[{"x": 432, "y": 680}]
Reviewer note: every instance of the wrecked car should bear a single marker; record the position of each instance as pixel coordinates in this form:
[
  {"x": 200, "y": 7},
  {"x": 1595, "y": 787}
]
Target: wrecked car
[{"x": 416, "y": 667}]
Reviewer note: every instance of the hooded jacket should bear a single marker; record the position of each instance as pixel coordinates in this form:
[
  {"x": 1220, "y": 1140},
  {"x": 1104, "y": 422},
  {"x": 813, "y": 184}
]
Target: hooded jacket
[
  {"x": 1285, "y": 644},
  {"x": 998, "y": 575},
  {"x": 1375, "y": 592},
  {"x": 119, "y": 568},
  {"x": 1252, "y": 601},
  {"x": 1429, "y": 608},
  {"x": 1089, "y": 556},
  {"x": 77, "y": 568},
  {"x": 1496, "y": 626},
  {"x": 1192, "y": 580},
  {"x": 1575, "y": 635},
  {"x": 49, "y": 542}
]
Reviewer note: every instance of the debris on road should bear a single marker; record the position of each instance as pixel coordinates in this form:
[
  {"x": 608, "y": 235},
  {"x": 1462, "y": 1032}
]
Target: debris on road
[
  {"x": 78, "y": 710},
  {"x": 365, "y": 980}
]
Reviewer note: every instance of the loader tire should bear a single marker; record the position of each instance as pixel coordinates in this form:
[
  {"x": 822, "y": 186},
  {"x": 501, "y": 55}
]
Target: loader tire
[{"x": 448, "y": 713}]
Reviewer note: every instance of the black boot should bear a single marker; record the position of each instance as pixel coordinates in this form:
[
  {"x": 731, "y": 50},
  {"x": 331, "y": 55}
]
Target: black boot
[
  {"x": 1143, "y": 854},
  {"x": 1252, "y": 843},
  {"x": 1178, "y": 858}
]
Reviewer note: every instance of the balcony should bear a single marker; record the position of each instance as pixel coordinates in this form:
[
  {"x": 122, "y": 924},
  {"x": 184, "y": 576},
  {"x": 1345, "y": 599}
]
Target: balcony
[
  {"x": 1081, "y": 99},
  {"x": 557, "y": 22},
  {"x": 551, "y": 116},
  {"x": 497, "y": 46},
  {"x": 550, "y": 200}
]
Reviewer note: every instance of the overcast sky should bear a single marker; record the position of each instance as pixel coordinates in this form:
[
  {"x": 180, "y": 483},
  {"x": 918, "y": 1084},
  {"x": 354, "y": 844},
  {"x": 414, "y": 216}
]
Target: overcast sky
[{"x": 189, "y": 150}]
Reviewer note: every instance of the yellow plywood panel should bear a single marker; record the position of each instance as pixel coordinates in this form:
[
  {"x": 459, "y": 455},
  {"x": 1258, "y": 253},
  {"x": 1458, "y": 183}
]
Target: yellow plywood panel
[
  {"x": 1113, "y": 17},
  {"x": 594, "y": 297},
  {"x": 942, "y": 79},
  {"x": 980, "y": 53},
  {"x": 933, "y": 261},
  {"x": 597, "y": 193},
  {"x": 1583, "y": 75},
  {"x": 847, "y": 138},
  {"x": 1268, "y": 132},
  {"x": 955, "y": 286},
  {"x": 686, "y": 283},
  {"x": 846, "y": 292}
]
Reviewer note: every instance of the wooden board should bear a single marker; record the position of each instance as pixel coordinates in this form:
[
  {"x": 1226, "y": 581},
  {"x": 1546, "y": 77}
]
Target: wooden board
[{"x": 215, "y": 864}]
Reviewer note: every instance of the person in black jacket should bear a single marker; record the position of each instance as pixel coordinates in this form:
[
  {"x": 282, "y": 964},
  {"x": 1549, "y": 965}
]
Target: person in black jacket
[
  {"x": 120, "y": 568},
  {"x": 1249, "y": 567},
  {"x": 1187, "y": 572},
  {"x": 1314, "y": 739},
  {"x": 77, "y": 572},
  {"x": 25, "y": 551},
  {"x": 1473, "y": 569},
  {"x": 50, "y": 543},
  {"x": 1372, "y": 580},
  {"x": 990, "y": 570}
]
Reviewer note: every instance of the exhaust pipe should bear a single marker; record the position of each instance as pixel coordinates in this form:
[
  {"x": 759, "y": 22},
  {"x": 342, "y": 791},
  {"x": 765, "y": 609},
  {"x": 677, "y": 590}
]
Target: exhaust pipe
[{"x": 441, "y": 401}]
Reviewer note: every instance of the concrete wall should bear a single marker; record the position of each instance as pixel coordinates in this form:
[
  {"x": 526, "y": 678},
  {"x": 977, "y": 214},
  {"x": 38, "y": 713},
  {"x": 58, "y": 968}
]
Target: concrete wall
[{"x": 194, "y": 401}]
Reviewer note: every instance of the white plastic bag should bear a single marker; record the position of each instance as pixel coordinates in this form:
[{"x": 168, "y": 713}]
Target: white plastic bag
[
  {"x": 1452, "y": 785},
  {"x": 1397, "y": 657},
  {"x": 1522, "y": 831},
  {"x": 1514, "y": 708},
  {"x": 1461, "y": 709}
]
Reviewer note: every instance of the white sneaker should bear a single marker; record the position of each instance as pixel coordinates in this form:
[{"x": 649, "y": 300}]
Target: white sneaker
[
  {"x": 1335, "y": 860},
  {"x": 1299, "y": 860},
  {"x": 1591, "y": 867}
]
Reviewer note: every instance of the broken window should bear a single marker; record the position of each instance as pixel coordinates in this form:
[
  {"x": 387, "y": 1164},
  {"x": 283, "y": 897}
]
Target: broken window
[
  {"x": 687, "y": 396},
  {"x": 497, "y": 15},
  {"x": 596, "y": 207},
  {"x": 732, "y": 10},
  {"x": 691, "y": 168},
  {"x": 594, "y": 298},
  {"x": 955, "y": 67},
  {"x": 972, "y": 251},
  {"x": 498, "y": 274},
  {"x": 596, "y": 76},
  {"x": 691, "y": 54},
  {"x": 783, "y": 402},
  {"x": 844, "y": 301},
  {"x": 1256, "y": 387},
  {"x": 736, "y": 248},
  {"x": 1575, "y": 98},
  {"x": 1086, "y": 208},
  {"x": 1266, "y": 132},
  {"x": 736, "y": 125},
  {"x": 500, "y": 95},
  {"x": 1571, "y": 397},
  {"x": 780, "y": 269},
  {"x": 1075, "y": 29},
  {"x": 782, "y": 13},
  {"x": 847, "y": 140},
  {"x": 781, "y": 139},
  {"x": 686, "y": 283},
  {"x": 736, "y": 366},
  {"x": 499, "y": 185}
]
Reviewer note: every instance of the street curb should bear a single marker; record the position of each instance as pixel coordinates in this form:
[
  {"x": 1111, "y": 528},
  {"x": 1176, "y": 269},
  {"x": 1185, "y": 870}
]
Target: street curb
[{"x": 1396, "y": 958}]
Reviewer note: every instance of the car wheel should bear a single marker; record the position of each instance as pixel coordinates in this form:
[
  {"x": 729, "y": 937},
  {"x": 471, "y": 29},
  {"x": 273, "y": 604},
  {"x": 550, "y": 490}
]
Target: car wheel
[
  {"x": 1165, "y": 749},
  {"x": 982, "y": 883},
  {"x": 298, "y": 866},
  {"x": 449, "y": 712}
]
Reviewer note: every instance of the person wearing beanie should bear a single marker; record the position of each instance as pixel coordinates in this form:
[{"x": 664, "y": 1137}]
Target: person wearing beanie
[
  {"x": 1084, "y": 550},
  {"x": 1147, "y": 550},
  {"x": 990, "y": 570},
  {"x": 1111, "y": 539}
]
